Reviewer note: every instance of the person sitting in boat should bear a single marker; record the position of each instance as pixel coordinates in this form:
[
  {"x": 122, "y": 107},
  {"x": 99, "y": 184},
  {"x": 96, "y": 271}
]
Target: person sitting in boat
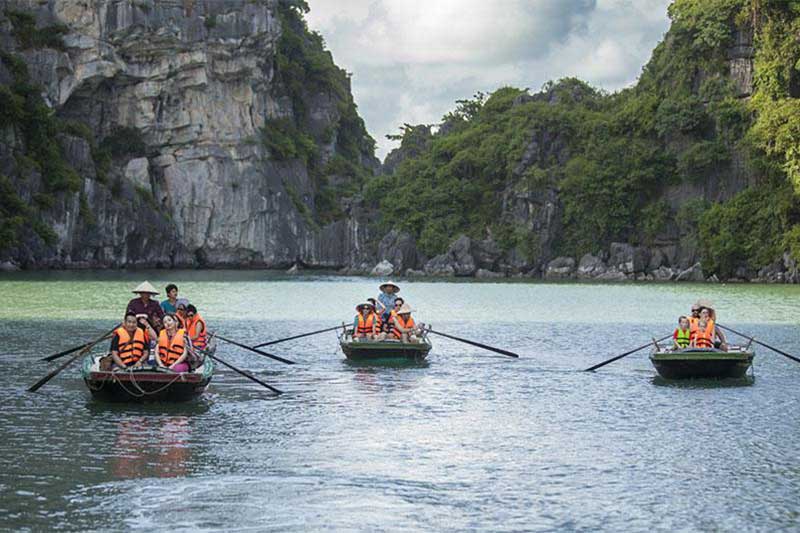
[
  {"x": 365, "y": 324},
  {"x": 197, "y": 331},
  {"x": 144, "y": 305},
  {"x": 129, "y": 344},
  {"x": 170, "y": 305},
  {"x": 381, "y": 325},
  {"x": 682, "y": 337},
  {"x": 172, "y": 352},
  {"x": 386, "y": 299},
  {"x": 719, "y": 339},
  {"x": 704, "y": 335},
  {"x": 694, "y": 317},
  {"x": 403, "y": 327}
]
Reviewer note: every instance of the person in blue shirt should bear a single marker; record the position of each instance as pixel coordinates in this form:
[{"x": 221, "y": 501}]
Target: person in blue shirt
[
  {"x": 386, "y": 299},
  {"x": 170, "y": 305}
]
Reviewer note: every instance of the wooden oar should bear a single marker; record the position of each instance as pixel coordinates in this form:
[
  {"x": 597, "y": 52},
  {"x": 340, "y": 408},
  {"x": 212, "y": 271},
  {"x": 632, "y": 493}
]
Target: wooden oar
[
  {"x": 39, "y": 384},
  {"x": 473, "y": 343},
  {"x": 296, "y": 337},
  {"x": 259, "y": 352},
  {"x": 626, "y": 354},
  {"x": 752, "y": 339},
  {"x": 245, "y": 374}
]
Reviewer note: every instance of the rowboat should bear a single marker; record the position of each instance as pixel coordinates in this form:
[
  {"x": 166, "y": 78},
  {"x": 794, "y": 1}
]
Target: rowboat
[
  {"x": 384, "y": 351},
  {"x": 708, "y": 363},
  {"x": 146, "y": 384}
]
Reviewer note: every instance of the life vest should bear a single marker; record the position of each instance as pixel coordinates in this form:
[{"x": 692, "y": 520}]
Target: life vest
[
  {"x": 201, "y": 341},
  {"x": 693, "y": 323},
  {"x": 405, "y": 324},
  {"x": 170, "y": 350},
  {"x": 378, "y": 321},
  {"x": 182, "y": 322},
  {"x": 683, "y": 337},
  {"x": 365, "y": 325},
  {"x": 705, "y": 338},
  {"x": 130, "y": 350}
]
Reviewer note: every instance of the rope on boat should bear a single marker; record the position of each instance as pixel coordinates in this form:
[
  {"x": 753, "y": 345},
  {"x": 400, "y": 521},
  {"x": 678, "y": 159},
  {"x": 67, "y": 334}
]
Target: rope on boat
[{"x": 142, "y": 392}]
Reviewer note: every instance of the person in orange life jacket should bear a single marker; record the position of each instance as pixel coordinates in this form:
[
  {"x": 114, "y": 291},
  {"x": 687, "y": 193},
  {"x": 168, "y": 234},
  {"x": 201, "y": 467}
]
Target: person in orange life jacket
[
  {"x": 172, "y": 352},
  {"x": 682, "y": 337},
  {"x": 704, "y": 335},
  {"x": 382, "y": 329},
  {"x": 196, "y": 328},
  {"x": 403, "y": 327},
  {"x": 180, "y": 314},
  {"x": 718, "y": 338},
  {"x": 365, "y": 324},
  {"x": 129, "y": 344},
  {"x": 694, "y": 317}
]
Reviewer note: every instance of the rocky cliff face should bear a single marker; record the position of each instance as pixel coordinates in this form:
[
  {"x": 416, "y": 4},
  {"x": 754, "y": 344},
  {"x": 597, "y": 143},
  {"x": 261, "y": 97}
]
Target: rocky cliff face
[{"x": 161, "y": 108}]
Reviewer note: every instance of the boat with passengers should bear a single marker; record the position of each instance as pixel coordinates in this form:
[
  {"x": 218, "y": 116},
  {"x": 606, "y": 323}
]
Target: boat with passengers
[
  {"x": 387, "y": 350},
  {"x": 702, "y": 363}
]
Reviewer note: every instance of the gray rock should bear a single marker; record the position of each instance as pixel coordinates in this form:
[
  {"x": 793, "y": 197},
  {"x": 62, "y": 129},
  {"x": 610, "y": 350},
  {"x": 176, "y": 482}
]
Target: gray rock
[
  {"x": 382, "y": 269},
  {"x": 590, "y": 266},
  {"x": 463, "y": 261},
  {"x": 694, "y": 273},
  {"x": 8, "y": 266},
  {"x": 713, "y": 279},
  {"x": 400, "y": 249},
  {"x": 488, "y": 274},
  {"x": 657, "y": 260},
  {"x": 441, "y": 265},
  {"x": 411, "y": 273},
  {"x": 138, "y": 172},
  {"x": 294, "y": 270},
  {"x": 613, "y": 275},
  {"x": 621, "y": 257},
  {"x": 560, "y": 268},
  {"x": 663, "y": 273}
]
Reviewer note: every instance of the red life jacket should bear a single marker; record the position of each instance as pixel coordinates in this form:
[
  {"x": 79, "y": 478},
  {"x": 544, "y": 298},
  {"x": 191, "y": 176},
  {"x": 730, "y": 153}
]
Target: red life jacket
[
  {"x": 365, "y": 325},
  {"x": 405, "y": 324},
  {"x": 704, "y": 338},
  {"x": 130, "y": 349},
  {"x": 170, "y": 350}
]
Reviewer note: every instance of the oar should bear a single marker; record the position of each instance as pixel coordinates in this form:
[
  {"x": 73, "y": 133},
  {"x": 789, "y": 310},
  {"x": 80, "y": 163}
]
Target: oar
[
  {"x": 296, "y": 337},
  {"x": 259, "y": 352},
  {"x": 626, "y": 354},
  {"x": 39, "y": 384},
  {"x": 792, "y": 357},
  {"x": 245, "y": 374},
  {"x": 473, "y": 343}
]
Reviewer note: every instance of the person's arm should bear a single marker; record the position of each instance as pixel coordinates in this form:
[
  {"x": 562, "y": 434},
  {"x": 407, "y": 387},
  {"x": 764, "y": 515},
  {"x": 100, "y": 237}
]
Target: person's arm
[
  {"x": 115, "y": 351},
  {"x": 181, "y": 359},
  {"x": 720, "y": 334},
  {"x": 355, "y": 327}
]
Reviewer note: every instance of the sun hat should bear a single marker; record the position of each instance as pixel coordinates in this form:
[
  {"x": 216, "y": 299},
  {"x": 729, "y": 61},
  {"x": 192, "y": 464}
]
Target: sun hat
[
  {"x": 361, "y": 306},
  {"x": 405, "y": 310},
  {"x": 145, "y": 287},
  {"x": 390, "y": 283},
  {"x": 704, "y": 303}
]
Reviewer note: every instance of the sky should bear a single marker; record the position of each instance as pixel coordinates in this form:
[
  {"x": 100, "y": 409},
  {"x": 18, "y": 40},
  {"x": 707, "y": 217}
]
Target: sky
[{"x": 411, "y": 60}]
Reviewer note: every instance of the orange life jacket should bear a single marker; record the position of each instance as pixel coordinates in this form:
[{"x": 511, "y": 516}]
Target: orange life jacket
[
  {"x": 405, "y": 324},
  {"x": 170, "y": 350},
  {"x": 131, "y": 350},
  {"x": 365, "y": 325},
  {"x": 201, "y": 341},
  {"x": 704, "y": 338},
  {"x": 182, "y": 322}
]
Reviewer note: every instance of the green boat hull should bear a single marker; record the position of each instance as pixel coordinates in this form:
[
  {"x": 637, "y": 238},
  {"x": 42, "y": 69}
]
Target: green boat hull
[
  {"x": 385, "y": 350},
  {"x": 702, "y": 363}
]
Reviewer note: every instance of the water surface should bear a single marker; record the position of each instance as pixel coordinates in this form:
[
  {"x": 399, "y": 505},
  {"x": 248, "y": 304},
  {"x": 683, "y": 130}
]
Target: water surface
[{"x": 471, "y": 440}]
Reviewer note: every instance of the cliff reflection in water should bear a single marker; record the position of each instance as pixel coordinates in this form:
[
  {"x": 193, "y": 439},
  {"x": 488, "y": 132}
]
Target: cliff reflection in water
[{"x": 152, "y": 447}]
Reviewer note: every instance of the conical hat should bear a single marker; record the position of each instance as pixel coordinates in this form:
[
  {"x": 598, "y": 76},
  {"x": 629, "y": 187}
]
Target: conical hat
[
  {"x": 145, "y": 287},
  {"x": 405, "y": 310},
  {"x": 704, "y": 303},
  {"x": 392, "y": 283}
]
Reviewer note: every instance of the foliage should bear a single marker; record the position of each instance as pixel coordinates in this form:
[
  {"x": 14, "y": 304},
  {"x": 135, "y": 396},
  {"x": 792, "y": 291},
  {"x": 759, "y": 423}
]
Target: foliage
[
  {"x": 28, "y": 36},
  {"x": 285, "y": 141}
]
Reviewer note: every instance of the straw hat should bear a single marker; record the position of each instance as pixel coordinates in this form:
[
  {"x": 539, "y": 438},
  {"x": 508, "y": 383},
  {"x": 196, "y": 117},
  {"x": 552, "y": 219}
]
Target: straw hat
[
  {"x": 359, "y": 307},
  {"x": 405, "y": 310},
  {"x": 704, "y": 303},
  {"x": 145, "y": 287},
  {"x": 390, "y": 284}
]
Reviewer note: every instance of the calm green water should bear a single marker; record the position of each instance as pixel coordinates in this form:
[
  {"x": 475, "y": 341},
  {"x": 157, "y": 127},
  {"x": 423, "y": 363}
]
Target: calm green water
[{"x": 470, "y": 441}]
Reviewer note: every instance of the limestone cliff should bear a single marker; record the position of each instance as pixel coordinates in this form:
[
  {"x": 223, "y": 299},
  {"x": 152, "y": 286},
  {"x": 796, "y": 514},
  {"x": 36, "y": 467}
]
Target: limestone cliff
[{"x": 188, "y": 132}]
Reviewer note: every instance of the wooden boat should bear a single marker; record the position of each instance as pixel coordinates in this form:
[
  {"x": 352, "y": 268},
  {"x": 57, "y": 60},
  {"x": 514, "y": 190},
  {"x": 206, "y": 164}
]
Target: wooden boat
[
  {"x": 384, "y": 351},
  {"x": 147, "y": 384},
  {"x": 707, "y": 363}
]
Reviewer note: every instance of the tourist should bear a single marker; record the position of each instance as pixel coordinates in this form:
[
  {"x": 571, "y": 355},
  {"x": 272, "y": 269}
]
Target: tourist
[
  {"x": 694, "y": 316},
  {"x": 180, "y": 313},
  {"x": 365, "y": 325},
  {"x": 128, "y": 344},
  {"x": 144, "y": 305},
  {"x": 386, "y": 299},
  {"x": 718, "y": 338},
  {"x": 380, "y": 324},
  {"x": 170, "y": 305},
  {"x": 172, "y": 351},
  {"x": 196, "y": 329},
  {"x": 403, "y": 327},
  {"x": 704, "y": 335},
  {"x": 682, "y": 337}
]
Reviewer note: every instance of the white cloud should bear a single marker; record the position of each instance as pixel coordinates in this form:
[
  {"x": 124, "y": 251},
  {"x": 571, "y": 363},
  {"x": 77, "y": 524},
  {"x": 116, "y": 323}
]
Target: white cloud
[{"x": 411, "y": 59}]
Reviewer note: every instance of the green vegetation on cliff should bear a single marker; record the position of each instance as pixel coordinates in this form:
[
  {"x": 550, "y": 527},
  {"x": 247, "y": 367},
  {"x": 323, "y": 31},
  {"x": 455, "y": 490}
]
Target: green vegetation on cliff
[{"x": 610, "y": 159}]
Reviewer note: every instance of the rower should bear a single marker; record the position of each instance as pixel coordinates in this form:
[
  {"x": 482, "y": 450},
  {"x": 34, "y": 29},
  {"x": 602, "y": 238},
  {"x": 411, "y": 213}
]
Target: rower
[
  {"x": 197, "y": 330},
  {"x": 128, "y": 344},
  {"x": 386, "y": 299},
  {"x": 403, "y": 327},
  {"x": 145, "y": 305},
  {"x": 365, "y": 324}
]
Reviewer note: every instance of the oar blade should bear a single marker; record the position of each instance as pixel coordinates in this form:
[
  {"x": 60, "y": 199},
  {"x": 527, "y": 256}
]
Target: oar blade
[{"x": 626, "y": 354}]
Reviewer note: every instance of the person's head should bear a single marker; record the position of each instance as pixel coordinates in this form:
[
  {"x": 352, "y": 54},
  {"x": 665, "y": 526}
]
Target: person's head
[
  {"x": 390, "y": 288},
  {"x": 191, "y": 311},
  {"x": 398, "y": 303},
  {"x": 145, "y": 290},
  {"x": 364, "y": 309},
  {"x": 130, "y": 322},
  {"x": 373, "y": 302},
  {"x": 705, "y": 314},
  {"x": 695, "y": 310},
  {"x": 683, "y": 322},
  {"x": 181, "y": 309},
  {"x": 170, "y": 322},
  {"x": 172, "y": 291},
  {"x": 702, "y": 323}
]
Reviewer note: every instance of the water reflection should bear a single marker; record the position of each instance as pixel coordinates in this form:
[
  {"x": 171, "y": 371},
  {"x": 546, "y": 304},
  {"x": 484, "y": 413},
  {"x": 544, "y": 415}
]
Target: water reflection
[{"x": 152, "y": 447}]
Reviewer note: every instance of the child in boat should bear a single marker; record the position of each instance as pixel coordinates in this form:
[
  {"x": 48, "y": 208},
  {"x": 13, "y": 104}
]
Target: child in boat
[
  {"x": 704, "y": 334},
  {"x": 682, "y": 337}
]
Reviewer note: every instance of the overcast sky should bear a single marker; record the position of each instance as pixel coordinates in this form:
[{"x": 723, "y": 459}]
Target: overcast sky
[{"x": 412, "y": 59}]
